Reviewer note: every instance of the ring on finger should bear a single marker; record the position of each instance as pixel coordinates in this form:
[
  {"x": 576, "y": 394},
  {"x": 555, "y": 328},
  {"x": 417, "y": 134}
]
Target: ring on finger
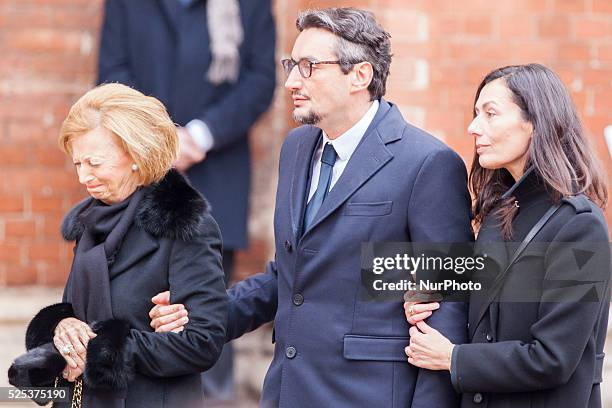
[
  {"x": 66, "y": 349},
  {"x": 411, "y": 310}
]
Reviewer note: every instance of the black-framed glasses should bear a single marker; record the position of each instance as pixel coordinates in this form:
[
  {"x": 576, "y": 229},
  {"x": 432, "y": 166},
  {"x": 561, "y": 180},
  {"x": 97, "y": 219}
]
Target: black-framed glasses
[{"x": 304, "y": 65}]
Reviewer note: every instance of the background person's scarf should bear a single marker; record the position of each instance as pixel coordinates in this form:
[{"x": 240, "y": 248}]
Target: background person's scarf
[
  {"x": 88, "y": 286},
  {"x": 226, "y": 34}
]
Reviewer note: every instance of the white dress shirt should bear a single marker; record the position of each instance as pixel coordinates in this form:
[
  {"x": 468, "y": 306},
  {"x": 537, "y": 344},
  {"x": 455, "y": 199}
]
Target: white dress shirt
[{"x": 344, "y": 145}]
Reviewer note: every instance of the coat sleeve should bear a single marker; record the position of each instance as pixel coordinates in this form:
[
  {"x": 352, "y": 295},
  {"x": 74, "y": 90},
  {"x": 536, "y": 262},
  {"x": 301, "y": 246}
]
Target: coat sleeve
[
  {"x": 230, "y": 119},
  {"x": 196, "y": 279},
  {"x": 439, "y": 208},
  {"x": 253, "y": 302},
  {"x": 114, "y": 57},
  {"x": 439, "y": 211},
  {"x": 563, "y": 329}
]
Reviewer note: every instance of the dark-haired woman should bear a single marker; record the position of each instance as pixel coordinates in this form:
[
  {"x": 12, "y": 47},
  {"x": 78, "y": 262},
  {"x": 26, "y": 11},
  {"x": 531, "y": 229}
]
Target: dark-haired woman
[{"x": 537, "y": 333}]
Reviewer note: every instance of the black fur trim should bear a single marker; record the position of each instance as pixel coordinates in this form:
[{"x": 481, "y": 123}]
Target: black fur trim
[
  {"x": 108, "y": 365},
  {"x": 72, "y": 228},
  {"x": 37, "y": 368},
  {"x": 171, "y": 208},
  {"x": 40, "y": 330}
]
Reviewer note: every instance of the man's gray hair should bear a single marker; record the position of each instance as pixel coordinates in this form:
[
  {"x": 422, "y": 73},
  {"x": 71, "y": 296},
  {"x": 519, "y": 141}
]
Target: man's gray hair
[{"x": 360, "y": 38}]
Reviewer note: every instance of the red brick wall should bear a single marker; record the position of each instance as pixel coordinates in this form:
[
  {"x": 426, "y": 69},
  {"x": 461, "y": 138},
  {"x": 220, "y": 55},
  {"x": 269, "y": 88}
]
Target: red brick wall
[
  {"x": 442, "y": 49},
  {"x": 47, "y": 59}
]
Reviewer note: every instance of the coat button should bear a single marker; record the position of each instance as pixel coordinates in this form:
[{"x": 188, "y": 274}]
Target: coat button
[
  {"x": 298, "y": 299},
  {"x": 290, "y": 352},
  {"x": 288, "y": 246},
  {"x": 489, "y": 337},
  {"x": 477, "y": 398}
]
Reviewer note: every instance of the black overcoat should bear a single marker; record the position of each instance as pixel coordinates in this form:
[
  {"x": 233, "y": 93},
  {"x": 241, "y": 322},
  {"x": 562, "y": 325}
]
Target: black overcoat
[
  {"x": 174, "y": 244},
  {"x": 334, "y": 346},
  {"x": 540, "y": 343}
]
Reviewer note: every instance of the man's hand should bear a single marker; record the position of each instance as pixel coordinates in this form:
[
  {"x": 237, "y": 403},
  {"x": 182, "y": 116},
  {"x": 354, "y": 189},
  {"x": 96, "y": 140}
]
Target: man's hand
[
  {"x": 189, "y": 152},
  {"x": 166, "y": 317},
  {"x": 71, "y": 337}
]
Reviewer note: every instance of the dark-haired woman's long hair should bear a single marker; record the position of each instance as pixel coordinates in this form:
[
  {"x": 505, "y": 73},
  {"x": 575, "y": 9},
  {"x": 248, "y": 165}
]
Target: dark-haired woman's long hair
[{"x": 559, "y": 151}]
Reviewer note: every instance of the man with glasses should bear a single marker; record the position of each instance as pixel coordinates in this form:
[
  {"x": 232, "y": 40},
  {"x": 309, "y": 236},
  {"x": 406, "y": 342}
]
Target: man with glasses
[{"x": 354, "y": 172}]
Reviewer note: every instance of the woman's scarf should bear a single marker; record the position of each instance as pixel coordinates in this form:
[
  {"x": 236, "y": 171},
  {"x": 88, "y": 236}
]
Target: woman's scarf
[{"x": 88, "y": 286}]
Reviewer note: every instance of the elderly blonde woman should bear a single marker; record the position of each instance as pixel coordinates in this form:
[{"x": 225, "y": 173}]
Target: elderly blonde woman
[{"x": 143, "y": 230}]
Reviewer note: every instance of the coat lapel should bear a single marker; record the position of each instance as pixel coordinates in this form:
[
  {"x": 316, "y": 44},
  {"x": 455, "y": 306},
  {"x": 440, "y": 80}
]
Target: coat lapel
[
  {"x": 370, "y": 156},
  {"x": 300, "y": 182}
]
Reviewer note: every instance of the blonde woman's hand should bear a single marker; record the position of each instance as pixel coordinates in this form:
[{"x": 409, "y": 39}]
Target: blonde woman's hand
[
  {"x": 71, "y": 374},
  {"x": 71, "y": 337}
]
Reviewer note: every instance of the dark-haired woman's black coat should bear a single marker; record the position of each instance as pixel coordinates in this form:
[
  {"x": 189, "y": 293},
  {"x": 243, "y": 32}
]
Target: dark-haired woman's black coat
[
  {"x": 172, "y": 245},
  {"x": 536, "y": 346}
]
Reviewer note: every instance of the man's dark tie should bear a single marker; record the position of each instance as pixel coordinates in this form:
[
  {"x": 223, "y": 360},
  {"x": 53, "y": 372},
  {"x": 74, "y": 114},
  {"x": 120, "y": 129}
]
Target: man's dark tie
[{"x": 328, "y": 158}]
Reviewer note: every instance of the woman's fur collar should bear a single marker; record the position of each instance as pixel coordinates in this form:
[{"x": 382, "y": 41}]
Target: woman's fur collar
[{"x": 171, "y": 208}]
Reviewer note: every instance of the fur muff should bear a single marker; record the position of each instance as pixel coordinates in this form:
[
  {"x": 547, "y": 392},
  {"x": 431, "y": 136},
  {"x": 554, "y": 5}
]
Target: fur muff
[
  {"x": 36, "y": 368},
  {"x": 42, "y": 363},
  {"x": 108, "y": 365},
  {"x": 171, "y": 208},
  {"x": 40, "y": 330}
]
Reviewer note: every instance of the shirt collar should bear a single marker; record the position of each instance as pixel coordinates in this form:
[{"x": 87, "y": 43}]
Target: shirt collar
[{"x": 346, "y": 143}]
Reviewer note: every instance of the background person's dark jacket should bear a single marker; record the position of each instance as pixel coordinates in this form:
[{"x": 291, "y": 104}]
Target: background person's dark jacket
[
  {"x": 162, "y": 49},
  {"x": 170, "y": 246},
  {"x": 545, "y": 351}
]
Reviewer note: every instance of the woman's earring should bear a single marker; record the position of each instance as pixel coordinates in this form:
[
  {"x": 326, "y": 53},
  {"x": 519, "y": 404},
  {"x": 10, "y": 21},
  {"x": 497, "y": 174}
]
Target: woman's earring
[{"x": 134, "y": 167}]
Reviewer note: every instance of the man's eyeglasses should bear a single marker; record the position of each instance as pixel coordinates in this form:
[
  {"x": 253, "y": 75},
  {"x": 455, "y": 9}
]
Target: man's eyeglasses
[{"x": 304, "y": 65}]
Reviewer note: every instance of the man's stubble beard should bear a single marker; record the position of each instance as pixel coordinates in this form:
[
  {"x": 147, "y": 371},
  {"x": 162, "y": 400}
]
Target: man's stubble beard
[{"x": 310, "y": 118}]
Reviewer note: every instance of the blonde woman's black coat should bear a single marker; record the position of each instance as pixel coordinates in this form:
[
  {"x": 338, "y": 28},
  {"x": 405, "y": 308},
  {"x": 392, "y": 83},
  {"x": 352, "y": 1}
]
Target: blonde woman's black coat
[{"x": 174, "y": 244}]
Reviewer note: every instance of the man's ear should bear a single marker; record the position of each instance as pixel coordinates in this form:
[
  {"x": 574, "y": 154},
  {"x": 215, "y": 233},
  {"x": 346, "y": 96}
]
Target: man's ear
[{"x": 361, "y": 76}]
